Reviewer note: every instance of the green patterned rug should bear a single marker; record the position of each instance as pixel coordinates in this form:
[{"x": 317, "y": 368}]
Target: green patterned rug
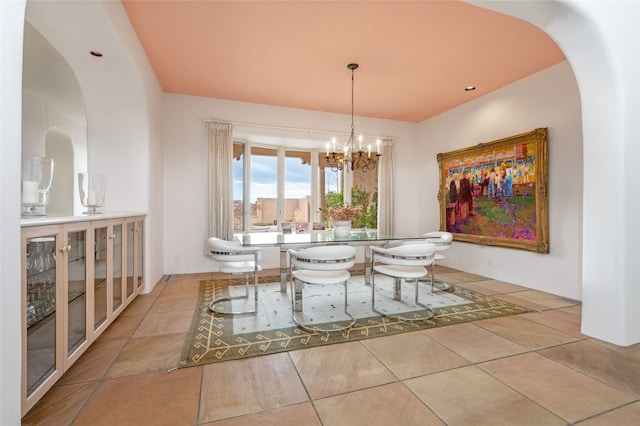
[{"x": 217, "y": 337}]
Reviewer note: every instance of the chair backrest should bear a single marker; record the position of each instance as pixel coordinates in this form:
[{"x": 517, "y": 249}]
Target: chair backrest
[
  {"x": 323, "y": 258},
  {"x": 441, "y": 239},
  {"x": 231, "y": 251},
  {"x": 417, "y": 254}
]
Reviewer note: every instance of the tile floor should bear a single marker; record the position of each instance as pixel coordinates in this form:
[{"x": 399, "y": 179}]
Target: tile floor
[{"x": 530, "y": 369}]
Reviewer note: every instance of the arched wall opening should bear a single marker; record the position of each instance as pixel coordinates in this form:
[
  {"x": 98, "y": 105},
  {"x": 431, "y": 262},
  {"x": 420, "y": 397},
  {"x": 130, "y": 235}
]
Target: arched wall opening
[{"x": 597, "y": 39}]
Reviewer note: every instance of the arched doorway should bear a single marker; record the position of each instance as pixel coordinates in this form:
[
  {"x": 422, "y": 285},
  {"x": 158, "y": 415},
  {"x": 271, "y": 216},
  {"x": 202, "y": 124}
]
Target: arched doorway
[{"x": 600, "y": 44}]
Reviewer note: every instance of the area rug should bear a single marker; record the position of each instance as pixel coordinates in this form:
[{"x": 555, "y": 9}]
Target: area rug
[{"x": 215, "y": 337}]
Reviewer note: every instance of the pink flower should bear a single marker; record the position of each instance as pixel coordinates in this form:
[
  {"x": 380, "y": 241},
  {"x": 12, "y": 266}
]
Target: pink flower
[{"x": 345, "y": 213}]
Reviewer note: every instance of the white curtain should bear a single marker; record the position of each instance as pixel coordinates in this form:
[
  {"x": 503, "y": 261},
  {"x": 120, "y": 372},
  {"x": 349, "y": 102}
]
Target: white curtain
[
  {"x": 385, "y": 189},
  {"x": 220, "y": 179}
]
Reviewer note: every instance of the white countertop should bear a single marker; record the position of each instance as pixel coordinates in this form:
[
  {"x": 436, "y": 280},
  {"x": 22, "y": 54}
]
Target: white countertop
[{"x": 57, "y": 220}]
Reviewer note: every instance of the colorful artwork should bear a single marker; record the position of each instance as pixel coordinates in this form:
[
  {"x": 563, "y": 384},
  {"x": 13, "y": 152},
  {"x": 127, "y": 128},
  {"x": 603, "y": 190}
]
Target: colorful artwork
[{"x": 495, "y": 193}]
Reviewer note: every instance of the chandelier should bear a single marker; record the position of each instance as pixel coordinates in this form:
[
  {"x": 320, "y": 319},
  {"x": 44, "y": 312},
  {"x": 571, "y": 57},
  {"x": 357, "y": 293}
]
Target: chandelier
[{"x": 352, "y": 154}]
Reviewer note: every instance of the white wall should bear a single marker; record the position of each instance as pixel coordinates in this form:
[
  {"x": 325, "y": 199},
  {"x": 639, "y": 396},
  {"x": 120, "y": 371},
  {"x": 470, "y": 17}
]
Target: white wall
[
  {"x": 11, "y": 31},
  {"x": 185, "y": 146},
  {"x": 549, "y": 98}
]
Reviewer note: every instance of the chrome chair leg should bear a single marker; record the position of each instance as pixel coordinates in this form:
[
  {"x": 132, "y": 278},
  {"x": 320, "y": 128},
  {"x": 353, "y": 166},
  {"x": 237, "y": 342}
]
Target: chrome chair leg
[
  {"x": 296, "y": 306},
  {"x": 397, "y": 292},
  {"x": 246, "y": 295}
]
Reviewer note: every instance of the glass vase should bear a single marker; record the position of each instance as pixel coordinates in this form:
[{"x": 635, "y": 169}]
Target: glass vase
[
  {"x": 92, "y": 189},
  {"x": 37, "y": 178}
]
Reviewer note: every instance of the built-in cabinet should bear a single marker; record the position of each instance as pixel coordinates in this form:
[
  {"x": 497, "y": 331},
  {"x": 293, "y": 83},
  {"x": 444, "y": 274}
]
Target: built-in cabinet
[{"x": 77, "y": 277}]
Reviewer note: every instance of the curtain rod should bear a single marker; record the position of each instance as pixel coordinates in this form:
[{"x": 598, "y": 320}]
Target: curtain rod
[{"x": 291, "y": 129}]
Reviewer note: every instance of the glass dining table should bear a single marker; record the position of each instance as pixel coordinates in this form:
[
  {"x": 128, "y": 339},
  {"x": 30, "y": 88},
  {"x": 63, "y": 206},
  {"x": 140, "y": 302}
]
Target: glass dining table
[{"x": 285, "y": 241}]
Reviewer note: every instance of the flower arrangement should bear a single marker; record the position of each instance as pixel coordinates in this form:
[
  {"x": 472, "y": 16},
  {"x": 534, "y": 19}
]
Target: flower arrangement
[{"x": 345, "y": 213}]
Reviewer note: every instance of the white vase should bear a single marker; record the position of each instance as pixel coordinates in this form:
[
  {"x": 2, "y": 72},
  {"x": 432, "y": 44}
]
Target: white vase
[{"x": 341, "y": 228}]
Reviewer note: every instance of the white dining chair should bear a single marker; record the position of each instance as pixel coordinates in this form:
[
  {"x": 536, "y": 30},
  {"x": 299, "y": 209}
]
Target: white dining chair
[
  {"x": 442, "y": 240},
  {"x": 235, "y": 259},
  {"x": 406, "y": 262},
  {"x": 324, "y": 265}
]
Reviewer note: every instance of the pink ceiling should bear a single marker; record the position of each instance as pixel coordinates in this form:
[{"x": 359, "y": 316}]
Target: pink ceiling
[{"x": 415, "y": 57}]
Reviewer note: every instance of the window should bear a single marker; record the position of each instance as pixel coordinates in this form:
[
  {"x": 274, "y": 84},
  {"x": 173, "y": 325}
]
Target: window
[
  {"x": 297, "y": 186},
  {"x": 263, "y": 184},
  {"x": 278, "y": 184}
]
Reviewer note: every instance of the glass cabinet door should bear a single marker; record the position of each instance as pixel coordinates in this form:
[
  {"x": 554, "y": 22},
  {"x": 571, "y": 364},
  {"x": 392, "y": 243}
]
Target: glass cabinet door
[
  {"x": 76, "y": 291},
  {"x": 41, "y": 310},
  {"x": 130, "y": 258},
  {"x": 100, "y": 257},
  {"x": 117, "y": 266},
  {"x": 140, "y": 253}
]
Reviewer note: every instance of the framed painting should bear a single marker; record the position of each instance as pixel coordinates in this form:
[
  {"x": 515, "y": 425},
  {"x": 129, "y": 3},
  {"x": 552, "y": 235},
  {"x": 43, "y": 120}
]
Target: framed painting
[{"x": 495, "y": 193}]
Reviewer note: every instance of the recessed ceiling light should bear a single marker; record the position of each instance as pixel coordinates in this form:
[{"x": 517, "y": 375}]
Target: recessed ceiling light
[
  {"x": 470, "y": 88},
  {"x": 96, "y": 53}
]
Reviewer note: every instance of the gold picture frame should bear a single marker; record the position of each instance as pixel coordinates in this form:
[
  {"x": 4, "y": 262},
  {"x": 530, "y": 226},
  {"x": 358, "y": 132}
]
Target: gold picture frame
[{"x": 495, "y": 193}]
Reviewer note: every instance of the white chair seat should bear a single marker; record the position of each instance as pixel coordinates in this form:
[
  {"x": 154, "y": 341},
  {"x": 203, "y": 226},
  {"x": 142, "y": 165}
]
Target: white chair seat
[
  {"x": 239, "y": 267},
  {"x": 321, "y": 277},
  {"x": 398, "y": 271}
]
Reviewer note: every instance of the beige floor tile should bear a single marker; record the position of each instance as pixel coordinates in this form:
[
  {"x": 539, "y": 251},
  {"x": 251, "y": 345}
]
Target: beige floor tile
[
  {"x": 629, "y": 415},
  {"x": 492, "y": 287},
  {"x": 345, "y": 367},
  {"x": 173, "y": 303},
  {"x": 190, "y": 277},
  {"x": 391, "y": 404},
  {"x": 474, "y": 343},
  {"x": 181, "y": 288},
  {"x": 574, "y": 310},
  {"x": 413, "y": 354},
  {"x": 458, "y": 277},
  {"x": 235, "y": 388},
  {"x": 469, "y": 396},
  {"x": 122, "y": 328},
  {"x": 559, "y": 320},
  {"x": 155, "y": 324},
  {"x": 145, "y": 399},
  {"x": 139, "y": 306},
  {"x": 616, "y": 368},
  {"x": 565, "y": 392},
  {"x": 293, "y": 415},
  {"x": 633, "y": 350},
  {"x": 524, "y": 332},
  {"x": 148, "y": 354},
  {"x": 93, "y": 364},
  {"x": 537, "y": 300},
  {"x": 60, "y": 405}
]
